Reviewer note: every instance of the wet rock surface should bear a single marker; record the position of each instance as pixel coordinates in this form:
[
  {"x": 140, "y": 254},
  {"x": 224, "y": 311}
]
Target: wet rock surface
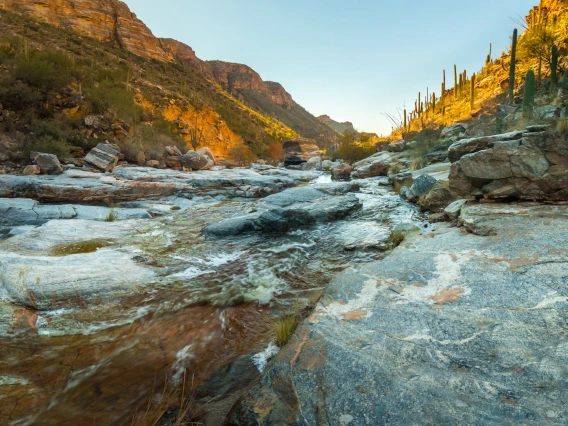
[
  {"x": 128, "y": 303},
  {"x": 451, "y": 328},
  {"x": 295, "y": 208}
]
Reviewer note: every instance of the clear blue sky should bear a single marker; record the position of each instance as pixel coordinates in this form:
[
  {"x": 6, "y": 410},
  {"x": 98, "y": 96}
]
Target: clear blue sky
[{"x": 351, "y": 59}]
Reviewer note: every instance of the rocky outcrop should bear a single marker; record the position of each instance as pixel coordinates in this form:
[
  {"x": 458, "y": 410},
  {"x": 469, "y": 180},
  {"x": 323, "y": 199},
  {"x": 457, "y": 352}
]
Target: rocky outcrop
[
  {"x": 181, "y": 52},
  {"x": 48, "y": 163},
  {"x": 298, "y": 151},
  {"x": 103, "y": 156},
  {"x": 299, "y": 207},
  {"x": 340, "y": 128},
  {"x": 41, "y": 278},
  {"x": 341, "y": 171},
  {"x": 133, "y": 183},
  {"x": 467, "y": 146},
  {"x": 109, "y": 20},
  {"x": 451, "y": 328},
  {"x": 241, "y": 77},
  {"x": 397, "y": 146},
  {"x": 453, "y": 130},
  {"x": 375, "y": 165},
  {"x": 531, "y": 166},
  {"x": 24, "y": 211}
]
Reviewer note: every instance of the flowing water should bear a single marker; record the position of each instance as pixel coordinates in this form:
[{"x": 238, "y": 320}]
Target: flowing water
[{"x": 216, "y": 301}]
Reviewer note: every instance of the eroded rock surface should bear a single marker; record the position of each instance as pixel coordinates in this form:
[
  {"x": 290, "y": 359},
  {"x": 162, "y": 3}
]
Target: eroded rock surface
[
  {"x": 521, "y": 166},
  {"x": 296, "y": 208},
  {"x": 452, "y": 328},
  {"x": 133, "y": 183}
]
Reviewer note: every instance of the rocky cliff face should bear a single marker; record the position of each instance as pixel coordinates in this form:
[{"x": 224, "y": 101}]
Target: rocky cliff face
[
  {"x": 337, "y": 126},
  {"x": 112, "y": 21},
  {"x": 237, "y": 77},
  {"x": 181, "y": 52},
  {"x": 106, "y": 20}
]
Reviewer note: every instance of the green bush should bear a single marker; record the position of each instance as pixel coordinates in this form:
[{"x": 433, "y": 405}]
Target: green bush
[
  {"x": 46, "y": 144},
  {"x": 107, "y": 96},
  {"x": 19, "y": 97},
  {"x": 43, "y": 74}
]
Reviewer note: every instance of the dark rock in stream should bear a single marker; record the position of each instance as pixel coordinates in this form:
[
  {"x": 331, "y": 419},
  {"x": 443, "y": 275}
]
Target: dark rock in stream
[{"x": 281, "y": 220}]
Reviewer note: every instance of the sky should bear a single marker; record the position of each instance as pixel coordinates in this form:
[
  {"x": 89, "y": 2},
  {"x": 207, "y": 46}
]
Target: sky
[{"x": 352, "y": 59}]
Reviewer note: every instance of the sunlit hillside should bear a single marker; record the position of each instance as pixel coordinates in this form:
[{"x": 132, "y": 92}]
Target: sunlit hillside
[
  {"x": 52, "y": 78},
  {"x": 468, "y": 94}
]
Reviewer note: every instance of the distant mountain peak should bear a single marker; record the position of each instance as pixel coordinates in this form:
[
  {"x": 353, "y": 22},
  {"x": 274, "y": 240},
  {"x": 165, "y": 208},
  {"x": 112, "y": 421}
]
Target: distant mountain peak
[{"x": 339, "y": 127}]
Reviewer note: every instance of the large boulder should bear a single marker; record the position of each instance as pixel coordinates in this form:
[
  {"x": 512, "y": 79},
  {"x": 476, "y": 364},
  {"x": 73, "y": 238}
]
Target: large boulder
[
  {"x": 375, "y": 165},
  {"x": 452, "y": 130},
  {"x": 104, "y": 157},
  {"x": 467, "y": 146},
  {"x": 341, "y": 171},
  {"x": 193, "y": 160},
  {"x": 173, "y": 162},
  {"x": 532, "y": 168},
  {"x": 313, "y": 163},
  {"x": 48, "y": 163},
  {"x": 397, "y": 146},
  {"x": 420, "y": 186},
  {"x": 206, "y": 151},
  {"x": 173, "y": 151},
  {"x": 326, "y": 165},
  {"x": 32, "y": 170},
  {"x": 298, "y": 151}
]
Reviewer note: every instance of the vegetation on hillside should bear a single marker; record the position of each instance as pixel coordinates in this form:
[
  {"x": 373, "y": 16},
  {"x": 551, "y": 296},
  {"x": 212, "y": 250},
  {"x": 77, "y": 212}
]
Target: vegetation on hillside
[
  {"x": 542, "y": 48},
  {"x": 51, "y": 79}
]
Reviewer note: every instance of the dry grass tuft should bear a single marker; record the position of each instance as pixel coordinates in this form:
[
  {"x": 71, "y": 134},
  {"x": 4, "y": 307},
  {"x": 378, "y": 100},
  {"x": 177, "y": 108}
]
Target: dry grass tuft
[
  {"x": 158, "y": 405},
  {"x": 284, "y": 328}
]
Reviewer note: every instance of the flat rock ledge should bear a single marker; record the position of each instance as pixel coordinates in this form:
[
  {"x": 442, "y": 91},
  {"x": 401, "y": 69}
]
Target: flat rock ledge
[
  {"x": 451, "y": 328},
  {"x": 134, "y": 183}
]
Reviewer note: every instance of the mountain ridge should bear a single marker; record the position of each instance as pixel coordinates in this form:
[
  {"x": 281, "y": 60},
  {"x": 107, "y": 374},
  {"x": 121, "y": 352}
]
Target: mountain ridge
[{"x": 113, "y": 21}]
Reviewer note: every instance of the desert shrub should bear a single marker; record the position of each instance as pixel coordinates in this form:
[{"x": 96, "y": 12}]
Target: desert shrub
[
  {"x": 19, "y": 97},
  {"x": 112, "y": 216},
  {"x": 275, "y": 152},
  {"x": 395, "y": 168},
  {"x": 241, "y": 155},
  {"x": 46, "y": 144},
  {"x": 351, "y": 150},
  {"x": 418, "y": 163},
  {"x": 45, "y": 71},
  {"x": 40, "y": 128}
]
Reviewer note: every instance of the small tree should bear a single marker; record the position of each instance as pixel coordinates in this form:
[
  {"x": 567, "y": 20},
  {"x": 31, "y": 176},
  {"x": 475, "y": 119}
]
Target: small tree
[
  {"x": 537, "y": 44},
  {"x": 241, "y": 155},
  {"x": 275, "y": 152}
]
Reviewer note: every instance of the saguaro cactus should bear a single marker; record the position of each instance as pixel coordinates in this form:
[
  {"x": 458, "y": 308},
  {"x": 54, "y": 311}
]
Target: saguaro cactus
[
  {"x": 512, "y": 69},
  {"x": 472, "y": 100},
  {"x": 554, "y": 65},
  {"x": 455, "y": 81},
  {"x": 528, "y": 100}
]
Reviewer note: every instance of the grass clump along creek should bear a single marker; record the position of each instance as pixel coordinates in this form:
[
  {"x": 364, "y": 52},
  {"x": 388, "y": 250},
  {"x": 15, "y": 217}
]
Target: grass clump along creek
[{"x": 284, "y": 328}]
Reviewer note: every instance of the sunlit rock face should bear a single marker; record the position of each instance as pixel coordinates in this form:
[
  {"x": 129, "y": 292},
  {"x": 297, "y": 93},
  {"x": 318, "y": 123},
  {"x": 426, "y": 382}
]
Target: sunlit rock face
[
  {"x": 241, "y": 77},
  {"x": 109, "y": 20}
]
